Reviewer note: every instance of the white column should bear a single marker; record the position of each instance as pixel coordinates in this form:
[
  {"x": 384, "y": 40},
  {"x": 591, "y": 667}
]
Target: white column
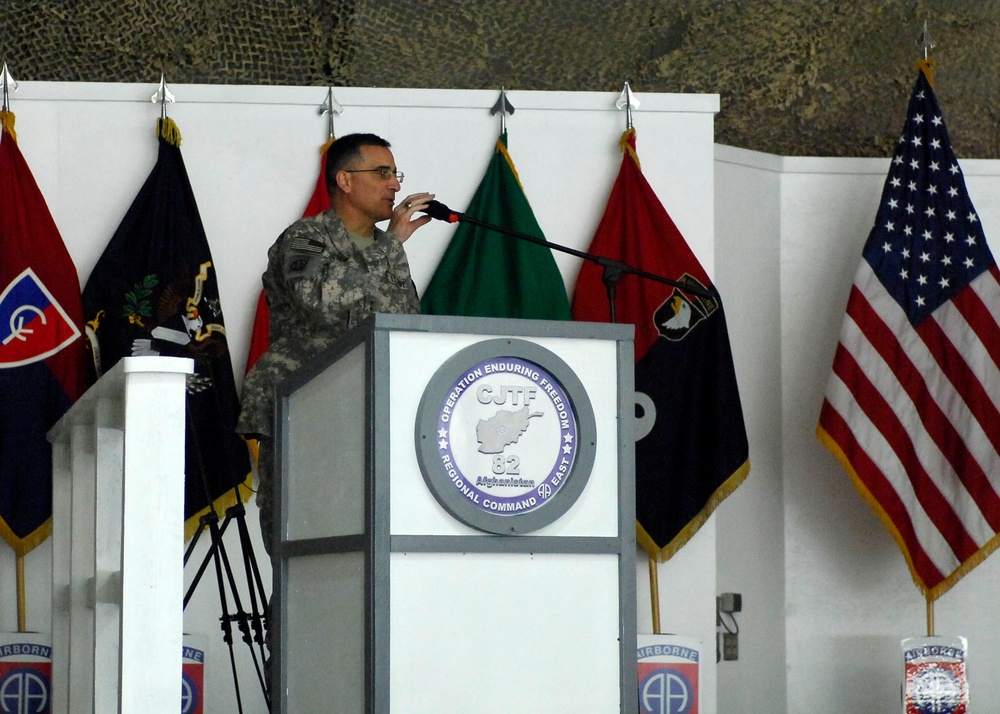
[{"x": 118, "y": 539}]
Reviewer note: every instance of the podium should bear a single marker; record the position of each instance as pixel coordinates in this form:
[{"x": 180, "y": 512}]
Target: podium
[
  {"x": 455, "y": 520},
  {"x": 118, "y": 542}
]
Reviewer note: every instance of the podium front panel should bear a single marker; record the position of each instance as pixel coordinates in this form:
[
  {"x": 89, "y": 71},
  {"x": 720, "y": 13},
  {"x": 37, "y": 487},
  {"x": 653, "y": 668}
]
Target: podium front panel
[
  {"x": 509, "y": 633},
  {"x": 326, "y": 451},
  {"x": 326, "y": 611}
]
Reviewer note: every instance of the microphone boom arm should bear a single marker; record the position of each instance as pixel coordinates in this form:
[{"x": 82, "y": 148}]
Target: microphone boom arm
[{"x": 613, "y": 270}]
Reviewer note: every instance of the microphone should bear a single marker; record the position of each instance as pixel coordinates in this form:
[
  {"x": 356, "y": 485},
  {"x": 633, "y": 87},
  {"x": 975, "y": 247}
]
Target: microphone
[{"x": 436, "y": 209}]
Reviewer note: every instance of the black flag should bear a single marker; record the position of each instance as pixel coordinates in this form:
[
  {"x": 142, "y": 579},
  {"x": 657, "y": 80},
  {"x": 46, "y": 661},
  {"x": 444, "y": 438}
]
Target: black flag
[{"x": 154, "y": 292}]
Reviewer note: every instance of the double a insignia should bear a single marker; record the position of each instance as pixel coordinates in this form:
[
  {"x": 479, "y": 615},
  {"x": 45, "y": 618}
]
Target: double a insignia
[
  {"x": 33, "y": 325},
  {"x": 679, "y": 313}
]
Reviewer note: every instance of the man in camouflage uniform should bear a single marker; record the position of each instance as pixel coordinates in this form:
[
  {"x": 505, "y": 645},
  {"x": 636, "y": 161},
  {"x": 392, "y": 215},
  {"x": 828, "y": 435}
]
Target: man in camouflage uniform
[{"x": 324, "y": 275}]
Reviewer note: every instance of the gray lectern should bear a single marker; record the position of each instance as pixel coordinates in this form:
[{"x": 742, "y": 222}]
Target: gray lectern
[{"x": 455, "y": 524}]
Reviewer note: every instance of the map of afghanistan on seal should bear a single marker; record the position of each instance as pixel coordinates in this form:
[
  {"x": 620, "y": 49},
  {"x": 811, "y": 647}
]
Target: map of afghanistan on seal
[{"x": 505, "y": 436}]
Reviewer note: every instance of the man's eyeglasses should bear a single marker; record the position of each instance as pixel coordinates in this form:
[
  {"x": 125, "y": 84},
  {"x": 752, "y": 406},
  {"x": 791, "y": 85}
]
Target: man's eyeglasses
[{"x": 384, "y": 172}]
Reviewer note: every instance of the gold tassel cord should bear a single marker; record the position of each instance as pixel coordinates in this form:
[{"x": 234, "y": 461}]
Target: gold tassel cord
[
  {"x": 927, "y": 67},
  {"x": 625, "y": 144},
  {"x": 7, "y": 123},
  {"x": 167, "y": 130}
]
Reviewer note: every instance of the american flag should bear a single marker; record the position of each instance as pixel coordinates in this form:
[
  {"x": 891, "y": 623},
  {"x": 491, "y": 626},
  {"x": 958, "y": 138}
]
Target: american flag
[{"x": 911, "y": 408}]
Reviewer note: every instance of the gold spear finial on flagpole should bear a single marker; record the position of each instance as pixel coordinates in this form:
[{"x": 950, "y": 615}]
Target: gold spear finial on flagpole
[{"x": 503, "y": 107}]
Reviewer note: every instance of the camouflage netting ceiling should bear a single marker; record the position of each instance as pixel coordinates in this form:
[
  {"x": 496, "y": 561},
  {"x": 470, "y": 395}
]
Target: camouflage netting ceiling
[{"x": 796, "y": 77}]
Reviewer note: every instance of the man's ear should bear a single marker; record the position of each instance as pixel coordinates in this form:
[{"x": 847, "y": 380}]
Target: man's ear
[{"x": 343, "y": 181}]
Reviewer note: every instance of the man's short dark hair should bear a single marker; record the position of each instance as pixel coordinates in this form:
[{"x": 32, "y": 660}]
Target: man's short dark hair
[{"x": 346, "y": 150}]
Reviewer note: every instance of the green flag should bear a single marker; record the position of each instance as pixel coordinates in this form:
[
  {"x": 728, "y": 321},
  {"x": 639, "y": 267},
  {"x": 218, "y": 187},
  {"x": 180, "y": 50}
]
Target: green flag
[{"x": 484, "y": 273}]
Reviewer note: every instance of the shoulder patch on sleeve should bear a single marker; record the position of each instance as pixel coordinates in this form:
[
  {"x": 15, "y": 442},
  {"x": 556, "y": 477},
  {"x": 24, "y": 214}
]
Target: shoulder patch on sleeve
[
  {"x": 309, "y": 245},
  {"x": 299, "y": 264}
]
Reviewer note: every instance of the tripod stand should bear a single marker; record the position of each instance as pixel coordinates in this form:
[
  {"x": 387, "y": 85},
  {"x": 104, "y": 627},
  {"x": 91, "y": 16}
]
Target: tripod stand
[{"x": 252, "y": 625}]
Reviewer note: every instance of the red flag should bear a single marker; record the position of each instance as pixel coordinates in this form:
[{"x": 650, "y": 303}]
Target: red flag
[
  {"x": 912, "y": 407},
  {"x": 318, "y": 202},
  {"x": 260, "y": 337},
  {"x": 42, "y": 355},
  {"x": 696, "y": 453}
]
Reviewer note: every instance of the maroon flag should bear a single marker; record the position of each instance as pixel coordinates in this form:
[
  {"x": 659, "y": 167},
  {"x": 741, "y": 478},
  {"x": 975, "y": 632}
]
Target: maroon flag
[
  {"x": 696, "y": 453},
  {"x": 42, "y": 355},
  {"x": 912, "y": 407}
]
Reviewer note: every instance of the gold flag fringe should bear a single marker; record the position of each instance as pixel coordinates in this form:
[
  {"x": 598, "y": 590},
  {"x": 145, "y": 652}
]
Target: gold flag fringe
[
  {"x": 167, "y": 130},
  {"x": 931, "y": 594},
  {"x": 224, "y": 502},
  {"x": 662, "y": 555},
  {"x": 7, "y": 123},
  {"x": 502, "y": 148},
  {"x": 23, "y": 546},
  {"x": 326, "y": 145}
]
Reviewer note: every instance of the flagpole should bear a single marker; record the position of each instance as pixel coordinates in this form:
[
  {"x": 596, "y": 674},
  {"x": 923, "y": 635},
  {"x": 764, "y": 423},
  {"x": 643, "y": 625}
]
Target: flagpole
[
  {"x": 927, "y": 44},
  {"x": 654, "y": 593},
  {"x": 627, "y": 102},
  {"x": 21, "y": 619},
  {"x": 6, "y": 84}
]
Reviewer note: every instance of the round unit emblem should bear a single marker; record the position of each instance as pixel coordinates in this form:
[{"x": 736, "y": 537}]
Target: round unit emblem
[{"x": 505, "y": 436}]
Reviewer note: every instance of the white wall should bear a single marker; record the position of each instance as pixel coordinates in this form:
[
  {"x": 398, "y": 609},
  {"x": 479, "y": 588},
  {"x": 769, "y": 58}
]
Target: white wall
[
  {"x": 827, "y": 596},
  {"x": 252, "y": 157},
  {"x": 750, "y": 547},
  {"x": 848, "y": 596}
]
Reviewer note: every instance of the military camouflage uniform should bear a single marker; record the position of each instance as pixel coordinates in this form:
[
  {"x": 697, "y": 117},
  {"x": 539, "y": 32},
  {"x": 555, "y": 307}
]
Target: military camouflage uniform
[{"x": 319, "y": 284}]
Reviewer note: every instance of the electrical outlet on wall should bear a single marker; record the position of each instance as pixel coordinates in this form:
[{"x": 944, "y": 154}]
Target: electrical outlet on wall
[
  {"x": 727, "y": 643},
  {"x": 730, "y": 646}
]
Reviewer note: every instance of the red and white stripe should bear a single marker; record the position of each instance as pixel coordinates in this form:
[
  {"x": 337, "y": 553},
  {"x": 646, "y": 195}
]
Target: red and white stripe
[{"x": 916, "y": 412}]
